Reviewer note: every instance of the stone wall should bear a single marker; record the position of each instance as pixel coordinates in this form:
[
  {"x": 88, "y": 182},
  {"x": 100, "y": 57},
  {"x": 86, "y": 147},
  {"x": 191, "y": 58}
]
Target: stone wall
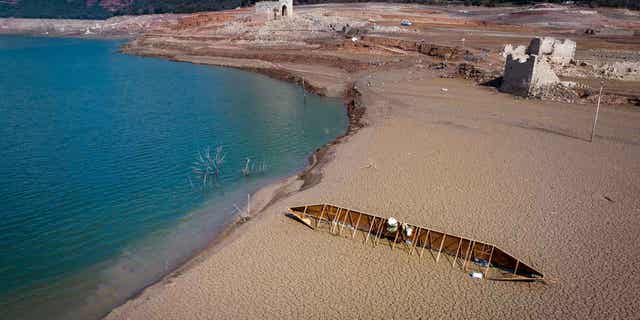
[
  {"x": 557, "y": 51},
  {"x": 527, "y": 75},
  {"x": 563, "y": 52},
  {"x": 542, "y": 78},
  {"x": 517, "y": 75}
]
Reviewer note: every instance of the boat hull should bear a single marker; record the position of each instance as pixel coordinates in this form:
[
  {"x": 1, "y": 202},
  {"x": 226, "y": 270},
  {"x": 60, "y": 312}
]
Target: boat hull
[{"x": 483, "y": 260}]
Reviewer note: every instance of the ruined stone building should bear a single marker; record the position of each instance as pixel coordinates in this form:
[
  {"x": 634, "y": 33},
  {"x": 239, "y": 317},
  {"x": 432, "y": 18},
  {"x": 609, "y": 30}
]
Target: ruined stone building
[
  {"x": 528, "y": 70},
  {"x": 555, "y": 51},
  {"x": 275, "y": 10},
  {"x": 526, "y": 75}
]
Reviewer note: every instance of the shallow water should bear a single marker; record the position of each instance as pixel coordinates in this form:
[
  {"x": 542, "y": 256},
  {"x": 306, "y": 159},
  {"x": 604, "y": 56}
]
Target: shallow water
[{"x": 97, "y": 193}]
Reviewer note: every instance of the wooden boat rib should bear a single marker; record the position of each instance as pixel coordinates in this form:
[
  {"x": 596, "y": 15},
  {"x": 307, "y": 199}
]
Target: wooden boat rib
[{"x": 470, "y": 255}]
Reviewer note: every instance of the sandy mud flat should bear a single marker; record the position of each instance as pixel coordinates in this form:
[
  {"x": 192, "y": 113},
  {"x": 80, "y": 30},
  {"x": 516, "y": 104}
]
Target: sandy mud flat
[
  {"x": 431, "y": 148},
  {"x": 470, "y": 161}
]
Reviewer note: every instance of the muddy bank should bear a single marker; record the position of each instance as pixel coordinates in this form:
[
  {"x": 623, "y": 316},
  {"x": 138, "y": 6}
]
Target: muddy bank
[
  {"x": 262, "y": 199},
  {"x": 470, "y": 161},
  {"x": 435, "y": 151}
]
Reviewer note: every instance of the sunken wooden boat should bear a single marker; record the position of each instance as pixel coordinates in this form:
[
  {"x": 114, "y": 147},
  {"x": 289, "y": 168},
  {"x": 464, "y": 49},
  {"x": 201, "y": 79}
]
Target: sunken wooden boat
[{"x": 479, "y": 259}]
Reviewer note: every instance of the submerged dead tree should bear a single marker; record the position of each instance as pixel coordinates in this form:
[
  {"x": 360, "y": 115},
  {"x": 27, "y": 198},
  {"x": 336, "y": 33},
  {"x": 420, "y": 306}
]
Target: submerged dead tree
[
  {"x": 251, "y": 168},
  {"x": 208, "y": 165}
]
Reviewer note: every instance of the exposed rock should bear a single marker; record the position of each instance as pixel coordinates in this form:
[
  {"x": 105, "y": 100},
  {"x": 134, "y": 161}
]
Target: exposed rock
[
  {"x": 619, "y": 70},
  {"x": 442, "y": 52},
  {"x": 558, "y": 92},
  {"x": 351, "y": 32},
  {"x": 469, "y": 71},
  {"x": 610, "y": 99}
]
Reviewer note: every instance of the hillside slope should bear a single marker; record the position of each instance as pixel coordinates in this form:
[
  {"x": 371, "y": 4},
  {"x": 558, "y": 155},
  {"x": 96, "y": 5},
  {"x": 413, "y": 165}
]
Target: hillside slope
[{"x": 100, "y": 9}]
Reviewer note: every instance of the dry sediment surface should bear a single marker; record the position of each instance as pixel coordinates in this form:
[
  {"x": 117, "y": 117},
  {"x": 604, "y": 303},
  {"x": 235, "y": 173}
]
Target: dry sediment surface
[
  {"x": 437, "y": 152},
  {"x": 466, "y": 160},
  {"x": 470, "y": 161}
]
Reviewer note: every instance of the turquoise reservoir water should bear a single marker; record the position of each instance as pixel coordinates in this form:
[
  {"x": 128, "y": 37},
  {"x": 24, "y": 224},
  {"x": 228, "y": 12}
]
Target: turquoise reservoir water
[{"x": 97, "y": 193}]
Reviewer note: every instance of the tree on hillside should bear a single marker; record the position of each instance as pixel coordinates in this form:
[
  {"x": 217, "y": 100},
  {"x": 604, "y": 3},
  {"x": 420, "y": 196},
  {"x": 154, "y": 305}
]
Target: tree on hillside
[{"x": 79, "y": 9}]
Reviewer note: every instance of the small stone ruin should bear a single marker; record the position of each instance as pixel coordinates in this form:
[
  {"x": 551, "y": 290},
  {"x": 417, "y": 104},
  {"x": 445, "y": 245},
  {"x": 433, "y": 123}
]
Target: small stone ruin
[
  {"x": 528, "y": 70},
  {"x": 556, "y": 51},
  {"x": 275, "y": 10}
]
